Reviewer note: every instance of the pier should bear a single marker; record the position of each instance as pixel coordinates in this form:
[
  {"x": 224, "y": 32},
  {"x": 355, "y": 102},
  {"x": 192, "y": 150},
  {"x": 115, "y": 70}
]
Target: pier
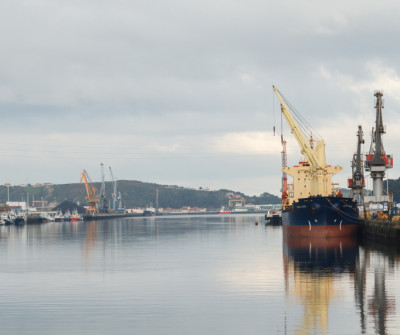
[{"x": 381, "y": 230}]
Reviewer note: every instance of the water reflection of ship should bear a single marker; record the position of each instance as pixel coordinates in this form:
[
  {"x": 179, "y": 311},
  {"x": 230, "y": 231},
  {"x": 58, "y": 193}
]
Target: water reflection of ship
[{"x": 310, "y": 267}]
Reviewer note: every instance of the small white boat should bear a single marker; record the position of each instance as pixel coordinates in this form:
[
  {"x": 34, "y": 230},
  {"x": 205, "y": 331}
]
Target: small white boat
[{"x": 6, "y": 218}]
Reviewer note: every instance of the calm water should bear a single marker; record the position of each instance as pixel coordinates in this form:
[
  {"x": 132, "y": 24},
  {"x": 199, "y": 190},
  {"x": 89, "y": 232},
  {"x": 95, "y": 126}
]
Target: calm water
[{"x": 192, "y": 275}]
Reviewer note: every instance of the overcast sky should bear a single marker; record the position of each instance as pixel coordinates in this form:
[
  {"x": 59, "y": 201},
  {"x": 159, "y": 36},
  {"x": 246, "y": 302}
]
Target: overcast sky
[{"x": 180, "y": 92}]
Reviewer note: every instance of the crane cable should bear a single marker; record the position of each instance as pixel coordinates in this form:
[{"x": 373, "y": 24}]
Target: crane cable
[
  {"x": 273, "y": 110},
  {"x": 303, "y": 123}
]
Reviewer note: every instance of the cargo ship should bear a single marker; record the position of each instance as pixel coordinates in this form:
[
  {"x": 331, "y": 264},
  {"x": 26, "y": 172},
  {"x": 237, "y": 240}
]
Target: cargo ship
[
  {"x": 149, "y": 211},
  {"x": 312, "y": 205}
]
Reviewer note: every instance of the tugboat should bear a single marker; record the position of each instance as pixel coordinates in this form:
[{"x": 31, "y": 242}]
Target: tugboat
[
  {"x": 312, "y": 206},
  {"x": 224, "y": 211}
]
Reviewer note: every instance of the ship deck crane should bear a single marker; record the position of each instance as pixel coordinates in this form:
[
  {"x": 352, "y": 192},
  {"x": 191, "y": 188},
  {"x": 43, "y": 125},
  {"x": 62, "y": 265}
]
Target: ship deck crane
[
  {"x": 91, "y": 193},
  {"x": 313, "y": 176}
]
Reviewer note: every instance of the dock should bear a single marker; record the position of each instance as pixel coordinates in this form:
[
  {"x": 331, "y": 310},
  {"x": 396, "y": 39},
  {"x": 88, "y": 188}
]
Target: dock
[
  {"x": 381, "y": 230},
  {"x": 105, "y": 216}
]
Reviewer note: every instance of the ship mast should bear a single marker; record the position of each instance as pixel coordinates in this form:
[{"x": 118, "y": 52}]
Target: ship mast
[
  {"x": 313, "y": 176},
  {"x": 284, "y": 174}
]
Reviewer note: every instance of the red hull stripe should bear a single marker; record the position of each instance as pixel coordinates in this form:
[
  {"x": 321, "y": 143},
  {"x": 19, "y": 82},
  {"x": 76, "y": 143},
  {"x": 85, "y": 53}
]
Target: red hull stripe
[{"x": 321, "y": 231}]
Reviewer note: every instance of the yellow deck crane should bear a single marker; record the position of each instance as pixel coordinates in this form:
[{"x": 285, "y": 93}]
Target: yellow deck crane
[
  {"x": 313, "y": 176},
  {"x": 92, "y": 194}
]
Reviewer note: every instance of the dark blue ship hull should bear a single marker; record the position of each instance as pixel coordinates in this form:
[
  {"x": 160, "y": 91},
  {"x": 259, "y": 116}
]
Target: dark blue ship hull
[{"x": 321, "y": 217}]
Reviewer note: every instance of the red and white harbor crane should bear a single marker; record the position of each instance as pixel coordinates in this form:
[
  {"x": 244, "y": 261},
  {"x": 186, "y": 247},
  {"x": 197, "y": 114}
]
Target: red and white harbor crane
[{"x": 377, "y": 161}]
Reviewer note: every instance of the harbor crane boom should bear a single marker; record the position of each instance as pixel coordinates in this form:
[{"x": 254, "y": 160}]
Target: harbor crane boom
[
  {"x": 315, "y": 156},
  {"x": 314, "y": 170},
  {"x": 91, "y": 193}
]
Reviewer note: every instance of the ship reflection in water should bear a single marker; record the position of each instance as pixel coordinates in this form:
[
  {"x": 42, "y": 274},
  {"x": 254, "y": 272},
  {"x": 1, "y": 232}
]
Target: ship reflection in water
[
  {"x": 314, "y": 269},
  {"x": 310, "y": 265}
]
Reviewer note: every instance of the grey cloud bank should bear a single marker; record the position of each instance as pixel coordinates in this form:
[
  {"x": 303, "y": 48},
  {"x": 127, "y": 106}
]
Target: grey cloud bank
[{"x": 163, "y": 91}]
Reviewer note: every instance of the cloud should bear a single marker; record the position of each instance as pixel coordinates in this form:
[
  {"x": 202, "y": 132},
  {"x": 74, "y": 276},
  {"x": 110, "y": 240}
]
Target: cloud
[{"x": 177, "y": 91}]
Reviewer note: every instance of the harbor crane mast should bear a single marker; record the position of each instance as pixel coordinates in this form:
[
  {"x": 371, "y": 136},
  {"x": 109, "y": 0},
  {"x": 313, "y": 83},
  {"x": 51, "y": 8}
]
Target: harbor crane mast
[
  {"x": 91, "y": 193},
  {"x": 103, "y": 201},
  {"x": 377, "y": 162},
  {"x": 314, "y": 170},
  {"x": 357, "y": 182},
  {"x": 114, "y": 195}
]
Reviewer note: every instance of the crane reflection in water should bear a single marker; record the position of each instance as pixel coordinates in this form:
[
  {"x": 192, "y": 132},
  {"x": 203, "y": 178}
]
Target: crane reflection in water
[
  {"x": 312, "y": 267},
  {"x": 378, "y": 303}
]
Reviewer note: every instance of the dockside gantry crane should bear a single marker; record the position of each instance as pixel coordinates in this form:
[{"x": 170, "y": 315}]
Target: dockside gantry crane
[
  {"x": 115, "y": 193},
  {"x": 357, "y": 182},
  {"x": 313, "y": 176},
  {"x": 377, "y": 162},
  {"x": 103, "y": 207},
  {"x": 91, "y": 193}
]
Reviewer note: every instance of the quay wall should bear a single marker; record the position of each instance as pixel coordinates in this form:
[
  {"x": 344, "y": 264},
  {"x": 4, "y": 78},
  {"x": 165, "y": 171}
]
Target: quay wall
[{"x": 381, "y": 230}]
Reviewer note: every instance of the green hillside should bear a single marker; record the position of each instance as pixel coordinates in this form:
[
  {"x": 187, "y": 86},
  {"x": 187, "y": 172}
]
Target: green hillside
[
  {"x": 134, "y": 194},
  {"x": 394, "y": 187}
]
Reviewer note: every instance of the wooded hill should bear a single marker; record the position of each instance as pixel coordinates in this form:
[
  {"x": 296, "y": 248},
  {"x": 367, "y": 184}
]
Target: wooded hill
[
  {"x": 134, "y": 194},
  {"x": 394, "y": 187}
]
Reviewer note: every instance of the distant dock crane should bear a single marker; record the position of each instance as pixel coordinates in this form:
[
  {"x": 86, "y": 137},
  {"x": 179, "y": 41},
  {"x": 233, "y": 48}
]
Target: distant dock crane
[
  {"x": 91, "y": 193},
  {"x": 103, "y": 207},
  {"x": 232, "y": 201},
  {"x": 115, "y": 193}
]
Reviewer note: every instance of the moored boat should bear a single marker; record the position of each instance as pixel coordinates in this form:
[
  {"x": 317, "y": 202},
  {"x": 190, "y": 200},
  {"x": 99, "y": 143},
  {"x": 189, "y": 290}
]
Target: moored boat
[
  {"x": 75, "y": 217},
  {"x": 20, "y": 218},
  {"x": 224, "y": 211},
  {"x": 45, "y": 217},
  {"x": 149, "y": 211},
  {"x": 59, "y": 217},
  {"x": 6, "y": 218}
]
